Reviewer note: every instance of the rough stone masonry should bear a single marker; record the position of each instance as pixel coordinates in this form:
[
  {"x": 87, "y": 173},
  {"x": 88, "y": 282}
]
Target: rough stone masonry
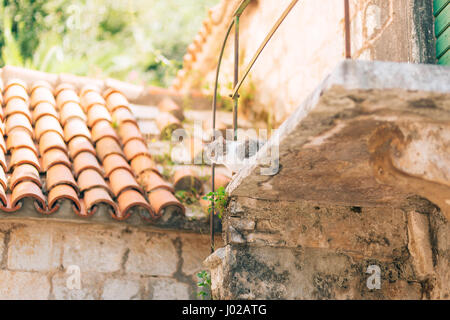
[
  {"x": 40, "y": 258},
  {"x": 363, "y": 184}
]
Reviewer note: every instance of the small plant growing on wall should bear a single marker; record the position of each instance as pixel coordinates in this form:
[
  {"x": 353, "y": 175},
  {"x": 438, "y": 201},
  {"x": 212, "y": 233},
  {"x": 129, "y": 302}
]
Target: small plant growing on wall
[
  {"x": 220, "y": 200},
  {"x": 205, "y": 284},
  {"x": 187, "y": 197}
]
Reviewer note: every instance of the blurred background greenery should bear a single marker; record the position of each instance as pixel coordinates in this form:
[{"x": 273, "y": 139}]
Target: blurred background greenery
[{"x": 139, "y": 41}]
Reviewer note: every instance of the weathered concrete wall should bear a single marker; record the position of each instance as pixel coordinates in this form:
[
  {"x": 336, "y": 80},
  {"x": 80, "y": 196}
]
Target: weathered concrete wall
[
  {"x": 115, "y": 262},
  {"x": 306, "y": 47}
]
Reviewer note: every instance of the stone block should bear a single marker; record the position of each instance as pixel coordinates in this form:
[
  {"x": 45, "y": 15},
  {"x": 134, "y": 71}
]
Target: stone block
[
  {"x": 34, "y": 249},
  {"x": 17, "y": 285},
  {"x": 168, "y": 289},
  {"x": 90, "y": 285},
  {"x": 2, "y": 244},
  {"x": 242, "y": 224},
  {"x": 121, "y": 289},
  {"x": 419, "y": 244},
  {"x": 234, "y": 236},
  {"x": 194, "y": 249},
  {"x": 93, "y": 251},
  {"x": 152, "y": 254}
]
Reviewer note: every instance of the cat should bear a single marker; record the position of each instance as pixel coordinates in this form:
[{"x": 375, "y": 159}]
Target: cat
[{"x": 233, "y": 154}]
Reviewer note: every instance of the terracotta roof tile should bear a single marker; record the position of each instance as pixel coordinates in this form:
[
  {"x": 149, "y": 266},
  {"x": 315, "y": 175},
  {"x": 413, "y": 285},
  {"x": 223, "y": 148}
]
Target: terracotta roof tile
[
  {"x": 2, "y": 144},
  {"x": 134, "y": 148},
  {"x": 123, "y": 115},
  {"x": 46, "y": 124},
  {"x": 25, "y": 172},
  {"x": 121, "y": 180},
  {"x": 18, "y": 120},
  {"x": 167, "y": 123},
  {"x": 63, "y": 86},
  {"x": 80, "y": 144},
  {"x": 3, "y": 162},
  {"x": 169, "y": 106},
  {"x": 129, "y": 131},
  {"x": 142, "y": 163},
  {"x": 4, "y": 201},
  {"x": 103, "y": 129},
  {"x": 66, "y": 96},
  {"x": 84, "y": 159},
  {"x": 71, "y": 110},
  {"x": 44, "y": 109},
  {"x": 3, "y": 179},
  {"x": 116, "y": 100},
  {"x": 161, "y": 199},
  {"x": 89, "y": 87},
  {"x": 20, "y": 139},
  {"x": 220, "y": 180},
  {"x": 41, "y": 94},
  {"x": 54, "y": 156},
  {"x": 60, "y": 174},
  {"x": 186, "y": 179},
  {"x": 63, "y": 192},
  {"x": 16, "y": 105},
  {"x": 15, "y": 81},
  {"x": 28, "y": 189},
  {"x": 76, "y": 128},
  {"x": 15, "y": 91},
  {"x": 96, "y": 196},
  {"x": 129, "y": 200},
  {"x": 23, "y": 156},
  {"x": 113, "y": 162},
  {"x": 107, "y": 146},
  {"x": 150, "y": 180},
  {"x": 89, "y": 179},
  {"x": 50, "y": 140},
  {"x": 40, "y": 84},
  {"x": 91, "y": 98},
  {"x": 97, "y": 113}
]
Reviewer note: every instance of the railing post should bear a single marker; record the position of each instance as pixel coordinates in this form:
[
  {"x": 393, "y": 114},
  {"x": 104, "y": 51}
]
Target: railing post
[
  {"x": 348, "y": 44},
  {"x": 236, "y": 76}
]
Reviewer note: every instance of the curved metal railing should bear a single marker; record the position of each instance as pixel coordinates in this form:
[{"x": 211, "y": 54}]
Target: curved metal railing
[{"x": 238, "y": 83}]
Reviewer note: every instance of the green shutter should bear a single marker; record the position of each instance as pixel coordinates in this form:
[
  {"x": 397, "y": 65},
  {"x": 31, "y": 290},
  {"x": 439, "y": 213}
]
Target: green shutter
[{"x": 442, "y": 30}]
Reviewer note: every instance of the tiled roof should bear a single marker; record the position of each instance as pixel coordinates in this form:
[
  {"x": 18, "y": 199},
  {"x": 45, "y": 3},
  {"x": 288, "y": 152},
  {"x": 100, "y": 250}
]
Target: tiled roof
[
  {"x": 219, "y": 14},
  {"x": 84, "y": 146}
]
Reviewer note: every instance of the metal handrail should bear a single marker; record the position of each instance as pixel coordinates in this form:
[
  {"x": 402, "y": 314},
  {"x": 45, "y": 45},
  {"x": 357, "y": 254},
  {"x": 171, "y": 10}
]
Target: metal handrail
[{"x": 237, "y": 84}]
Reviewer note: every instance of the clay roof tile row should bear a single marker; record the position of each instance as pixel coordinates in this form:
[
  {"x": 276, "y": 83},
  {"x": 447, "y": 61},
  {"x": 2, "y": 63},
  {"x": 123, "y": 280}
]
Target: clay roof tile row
[{"x": 85, "y": 148}]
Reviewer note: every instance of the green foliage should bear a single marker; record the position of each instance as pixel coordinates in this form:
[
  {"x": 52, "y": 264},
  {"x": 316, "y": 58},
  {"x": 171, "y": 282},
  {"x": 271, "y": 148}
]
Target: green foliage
[
  {"x": 187, "y": 197},
  {"x": 205, "y": 284},
  {"x": 220, "y": 200},
  {"x": 132, "y": 40},
  {"x": 163, "y": 159}
]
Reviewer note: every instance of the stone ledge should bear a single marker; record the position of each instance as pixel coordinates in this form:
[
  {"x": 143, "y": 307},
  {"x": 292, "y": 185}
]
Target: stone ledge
[{"x": 372, "y": 133}]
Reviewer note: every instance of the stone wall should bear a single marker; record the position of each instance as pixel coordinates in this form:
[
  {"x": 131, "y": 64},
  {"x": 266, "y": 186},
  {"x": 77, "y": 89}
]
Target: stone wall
[
  {"x": 363, "y": 185},
  {"x": 39, "y": 259},
  {"x": 306, "y": 47},
  {"x": 299, "y": 250}
]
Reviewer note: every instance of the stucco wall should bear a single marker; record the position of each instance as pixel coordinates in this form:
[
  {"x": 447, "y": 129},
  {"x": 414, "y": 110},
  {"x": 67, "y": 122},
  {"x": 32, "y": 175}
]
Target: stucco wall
[
  {"x": 38, "y": 259},
  {"x": 306, "y": 47}
]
